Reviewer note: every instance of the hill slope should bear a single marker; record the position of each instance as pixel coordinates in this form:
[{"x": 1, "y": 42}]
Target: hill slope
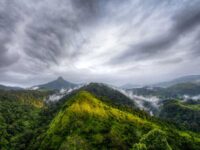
[
  {"x": 85, "y": 122},
  {"x": 109, "y": 95},
  {"x": 92, "y": 117},
  {"x": 184, "y": 113}
]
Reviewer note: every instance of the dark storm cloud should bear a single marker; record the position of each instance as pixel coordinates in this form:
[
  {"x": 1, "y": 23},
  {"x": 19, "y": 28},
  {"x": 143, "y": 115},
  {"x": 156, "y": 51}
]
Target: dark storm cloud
[
  {"x": 87, "y": 9},
  {"x": 46, "y": 41},
  {"x": 49, "y": 33},
  {"x": 50, "y": 30},
  {"x": 8, "y": 21},
  {"x": 184, "y": 21},
  {"x": 195, "y": 47},
  {"x": 187, "y": 19},
  {"x": 171, "y": 61}
]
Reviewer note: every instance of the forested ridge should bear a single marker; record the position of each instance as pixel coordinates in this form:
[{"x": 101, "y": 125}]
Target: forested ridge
[{"x": 92, "y": 117}]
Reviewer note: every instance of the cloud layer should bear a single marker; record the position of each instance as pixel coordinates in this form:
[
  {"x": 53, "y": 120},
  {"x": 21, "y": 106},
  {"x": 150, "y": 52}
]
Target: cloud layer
[{"x": 111, "y": 41}]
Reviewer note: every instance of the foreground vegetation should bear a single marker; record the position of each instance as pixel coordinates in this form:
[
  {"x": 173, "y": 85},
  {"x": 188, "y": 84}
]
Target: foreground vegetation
[
  {"x": 94, "y": 117},
  {"x": 19, "y": 115},
  {"x": 85, "y": 122}
]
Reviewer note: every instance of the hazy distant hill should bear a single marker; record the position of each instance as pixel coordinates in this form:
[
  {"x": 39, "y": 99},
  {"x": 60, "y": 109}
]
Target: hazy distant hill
[
  {"x": 175, "y": 91},
  {"x": 3, "y": 87},
  {"x": 184, "y": 79},
  {"x": 57, "y": 84},
  {"x": 130, "y": 86}
]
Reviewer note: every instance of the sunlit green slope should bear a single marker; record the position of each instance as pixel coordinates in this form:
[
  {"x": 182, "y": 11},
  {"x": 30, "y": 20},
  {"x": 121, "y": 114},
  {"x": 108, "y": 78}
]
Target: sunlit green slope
[{"x": 85, "y": 122}]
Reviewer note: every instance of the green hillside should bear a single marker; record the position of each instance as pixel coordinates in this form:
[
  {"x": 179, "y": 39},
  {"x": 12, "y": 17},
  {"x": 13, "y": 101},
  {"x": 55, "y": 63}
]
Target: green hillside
[
  {"x": 109, "y": 95},
  {"x": 85, "y": 122},
  {"x": 186, "y": 114},
  {"x": 93, "y": 117},
  {"x": 19, "y": 117}
]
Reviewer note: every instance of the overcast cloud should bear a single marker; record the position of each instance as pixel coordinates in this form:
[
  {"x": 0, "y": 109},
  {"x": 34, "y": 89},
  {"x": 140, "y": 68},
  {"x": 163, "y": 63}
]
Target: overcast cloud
[{"x": 112, "y": 41}]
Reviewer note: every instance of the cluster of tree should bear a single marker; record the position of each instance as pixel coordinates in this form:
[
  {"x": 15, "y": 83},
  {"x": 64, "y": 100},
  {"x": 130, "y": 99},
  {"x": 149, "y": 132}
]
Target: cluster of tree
[
  {"x": 185, "y": 114},
  {"x": 19, "y": 117}
]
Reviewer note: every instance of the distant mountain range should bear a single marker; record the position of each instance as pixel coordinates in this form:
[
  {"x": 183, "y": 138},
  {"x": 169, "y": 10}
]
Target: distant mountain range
[
  {"x": 194, "y": 79},
  {"x": 130, "y": 86},
  {"x": 185, "y": 79},
  {"x": 57, "y": 84},
  {"x": 61, "y": 83},
  {"x": 3, "y": 87}
]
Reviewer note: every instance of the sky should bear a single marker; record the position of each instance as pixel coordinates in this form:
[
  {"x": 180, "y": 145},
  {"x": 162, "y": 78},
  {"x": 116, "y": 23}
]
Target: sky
[{"x": 110, "y": 41}]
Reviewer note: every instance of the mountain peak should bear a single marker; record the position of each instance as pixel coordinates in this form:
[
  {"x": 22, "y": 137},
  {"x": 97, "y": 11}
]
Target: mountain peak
[
  {"x": 60, "y": 78},
  {"x": 57, "y": 84}
]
